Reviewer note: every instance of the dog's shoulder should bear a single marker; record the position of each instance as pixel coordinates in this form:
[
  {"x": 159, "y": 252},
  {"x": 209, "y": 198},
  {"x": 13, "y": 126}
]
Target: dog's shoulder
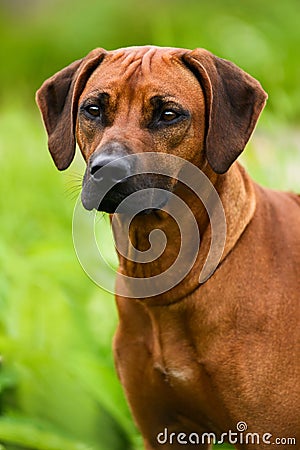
[{"x": 278, "y": 204}]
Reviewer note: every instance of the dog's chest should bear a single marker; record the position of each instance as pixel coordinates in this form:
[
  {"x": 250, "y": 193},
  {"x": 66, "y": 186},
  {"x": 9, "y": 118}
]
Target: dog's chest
[
  {"x": 166, "y": 362},
  {"x": 172, "y": 359},
  {"x": 164, "y": 358},
  {"x": 164, "y": 372},
  {"x": 173, "y": 372}
]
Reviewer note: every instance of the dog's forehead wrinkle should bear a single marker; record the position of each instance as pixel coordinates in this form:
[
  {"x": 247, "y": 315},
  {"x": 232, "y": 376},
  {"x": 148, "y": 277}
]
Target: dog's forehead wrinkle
[
  {"x": 140, "y": 61},
  {"x": 130, "y": 71},
  {"x": 139, "y": 52},
  {"x": 147, "y": 62},
  {"x": 129, "y": 68}
]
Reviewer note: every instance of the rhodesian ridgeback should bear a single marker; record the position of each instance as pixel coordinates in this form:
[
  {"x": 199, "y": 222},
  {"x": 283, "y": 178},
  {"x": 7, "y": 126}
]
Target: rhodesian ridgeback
[{"x": 199, "y": 361}]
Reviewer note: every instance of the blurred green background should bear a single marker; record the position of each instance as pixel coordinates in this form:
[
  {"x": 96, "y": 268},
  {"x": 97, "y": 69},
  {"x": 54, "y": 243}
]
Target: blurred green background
[{"x": 58, "y": 388}]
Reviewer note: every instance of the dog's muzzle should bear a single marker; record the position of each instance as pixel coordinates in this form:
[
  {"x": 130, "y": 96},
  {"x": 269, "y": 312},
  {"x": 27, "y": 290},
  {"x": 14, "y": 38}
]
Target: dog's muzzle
[{"x": 112, "y": 176}]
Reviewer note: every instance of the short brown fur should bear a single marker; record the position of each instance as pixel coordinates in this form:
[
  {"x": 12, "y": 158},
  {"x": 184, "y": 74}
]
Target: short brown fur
[{"x": 198, "y": 358}]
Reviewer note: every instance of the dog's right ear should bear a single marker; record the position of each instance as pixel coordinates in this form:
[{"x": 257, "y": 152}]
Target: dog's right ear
[
  {"x": 57, "y": 100},
  {"x": 234, "y": 101}
]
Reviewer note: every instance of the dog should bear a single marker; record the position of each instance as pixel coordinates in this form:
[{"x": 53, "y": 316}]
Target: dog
[{"x": 218, "y": 358}]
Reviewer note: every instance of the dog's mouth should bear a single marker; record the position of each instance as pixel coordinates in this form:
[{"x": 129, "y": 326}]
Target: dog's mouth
[{"x": 133, "y": 195}]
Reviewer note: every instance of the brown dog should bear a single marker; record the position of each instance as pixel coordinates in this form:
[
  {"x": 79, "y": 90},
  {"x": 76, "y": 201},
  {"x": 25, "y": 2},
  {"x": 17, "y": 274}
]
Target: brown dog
[{"x": 198, "y": 358}]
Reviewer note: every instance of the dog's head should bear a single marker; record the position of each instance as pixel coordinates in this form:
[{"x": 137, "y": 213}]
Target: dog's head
[{"x": 191, "y": 104}]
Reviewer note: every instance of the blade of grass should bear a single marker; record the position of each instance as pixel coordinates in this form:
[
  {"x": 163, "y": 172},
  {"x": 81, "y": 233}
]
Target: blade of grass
[{"x": 31, "y": 434}]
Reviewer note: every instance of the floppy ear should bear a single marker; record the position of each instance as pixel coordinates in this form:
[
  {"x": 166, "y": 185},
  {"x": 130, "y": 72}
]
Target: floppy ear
[
  {"x": 57, "y": 100},
  {"x": 234, "y": 101}
]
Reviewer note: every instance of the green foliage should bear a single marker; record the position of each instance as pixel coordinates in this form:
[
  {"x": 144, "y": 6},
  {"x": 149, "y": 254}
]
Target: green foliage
[
  {"x": 58, "y": 387},
  {"x": 40, "y": 37}
]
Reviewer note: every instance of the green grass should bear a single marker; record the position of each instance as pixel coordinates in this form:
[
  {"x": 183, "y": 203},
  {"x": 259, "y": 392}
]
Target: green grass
[{"x": 58, "y": 388}]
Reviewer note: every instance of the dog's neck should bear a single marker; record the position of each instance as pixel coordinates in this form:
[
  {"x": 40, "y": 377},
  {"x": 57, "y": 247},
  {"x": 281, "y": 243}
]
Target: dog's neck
[{"x": 236, "y": 193}]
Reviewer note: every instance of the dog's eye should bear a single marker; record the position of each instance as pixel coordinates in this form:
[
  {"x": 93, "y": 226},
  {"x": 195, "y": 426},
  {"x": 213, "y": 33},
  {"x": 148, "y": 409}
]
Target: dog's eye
[
  {"x": 93, "y": 110},
  {"x": 168, "y": 115}
]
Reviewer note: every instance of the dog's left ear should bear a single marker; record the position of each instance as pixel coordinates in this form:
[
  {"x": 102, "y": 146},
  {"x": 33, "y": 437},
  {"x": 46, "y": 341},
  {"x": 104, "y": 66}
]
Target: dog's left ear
[
  {"x": 234, "y": 101},
  {"x": 57, "y": 100}
]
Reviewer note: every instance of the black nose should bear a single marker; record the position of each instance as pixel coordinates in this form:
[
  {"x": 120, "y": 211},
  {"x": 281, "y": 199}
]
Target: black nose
[{"x": 109, "y": 168}]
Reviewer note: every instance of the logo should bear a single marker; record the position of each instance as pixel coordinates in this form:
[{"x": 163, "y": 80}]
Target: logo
[{"x": 88, "y": 245}]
